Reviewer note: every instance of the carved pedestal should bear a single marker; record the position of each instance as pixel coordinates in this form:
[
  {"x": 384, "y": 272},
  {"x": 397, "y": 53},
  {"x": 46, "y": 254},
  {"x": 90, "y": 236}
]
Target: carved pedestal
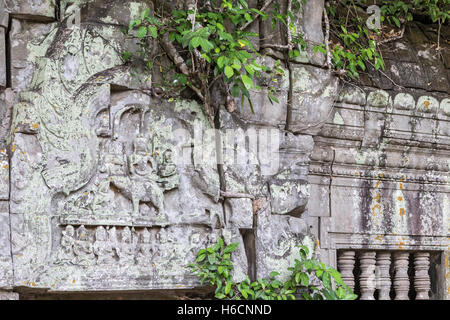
[
  {"x": 346, "y": 263},
  {"x": 367, "y": 277},
  {"x": 421, "y": 276},
  {"x": 401, "y": 279},
  {"x": 383, "y": 277}
]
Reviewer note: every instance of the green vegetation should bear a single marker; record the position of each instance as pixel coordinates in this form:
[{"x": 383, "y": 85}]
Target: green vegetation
[
  {"x": 309, "y": 277},
  {"x": 354, "y": 46},
  {"x": 210, "y": 43}
]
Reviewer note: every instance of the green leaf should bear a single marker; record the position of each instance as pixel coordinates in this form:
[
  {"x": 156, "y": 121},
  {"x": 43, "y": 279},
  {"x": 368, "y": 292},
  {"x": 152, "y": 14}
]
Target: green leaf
[
  {"x": 126, "y": 56},
  {"x": 249, "y": 69},
  {"x": 350, "y": 296},
  {"x": 220, "y": 269},
  {"x": 221, "y": 62},
  {"x": 206, "y": 45},
  {"x": 272, "y": 98},
  {"x": 194, "y": 42},
  {"x": 142, "y": 32},
  {"x": 212, "y": 258},
  {"x": 228, "y": 287},
  {"x": 153, "y": 31},
  {"x": 304, "y": 279},
  {"x": 236, "y": 66},
  {"x": 134, "y": 23},
  {"x": 326, "y": 280},
  {"x": 201, "y": 257},
  {"x": 145, "y": 13},
  {"x": 396, "y": 21},
  {"x": 220, "y": 296},
  {"x": 247, "y": 81},
  {"x": 273, "y": 274},
  {"x": 229, "y": 71}
]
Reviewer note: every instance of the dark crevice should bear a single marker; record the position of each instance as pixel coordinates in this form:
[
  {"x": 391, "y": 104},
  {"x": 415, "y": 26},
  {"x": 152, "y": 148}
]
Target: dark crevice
[
  {"x": 330, "y": 183},
  {"x": 289, "y": 98},
  {"x": 8, "y": 54},
  {"x": 248, "y": 236}
]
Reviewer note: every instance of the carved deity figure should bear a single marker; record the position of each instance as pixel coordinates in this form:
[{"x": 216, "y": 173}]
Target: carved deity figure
[
  {"x": 213, "y": 237},
  {"x": 65, "y": 254},
  {"x": 101, "y": 198},
  {"x": 113, "y": 162},
  {"x": 167, "y": 172},
  {"x": 125, "y": 250},
  {"x": 145, "y": 248},
  {"x": 103, "y": 129},
  {"x": 142, "y": 184},
  {"x": 168, "y": 168},
  {"x": 166, "y": 253},
  {"x": 103, "y": 248},
  {"x": 142, "y": 168},
  {"x": 83, "y": 249},
  {"x": 196, "y": 242}
]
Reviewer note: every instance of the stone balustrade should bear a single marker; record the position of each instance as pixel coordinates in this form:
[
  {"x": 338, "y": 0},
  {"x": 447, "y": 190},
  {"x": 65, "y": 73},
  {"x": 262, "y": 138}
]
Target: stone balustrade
[{"x": 386, "y": 275}]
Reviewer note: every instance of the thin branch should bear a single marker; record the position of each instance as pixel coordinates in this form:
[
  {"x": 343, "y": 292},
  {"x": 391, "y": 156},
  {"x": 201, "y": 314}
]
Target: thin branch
[
  {"x": 264, "y": 7},
  {"x": 384, "y": 74},
  {"x": 178, "y": 61},
  {"x": 439, "y": 34},
  {"x": 172, "y": 52},
  {"x": 288, "y": 23},
  {"x": 274, "y": 46},
  {"x": 396, "y": 37},
  {"x": 191, "y": 17},
  {"x": 327, "y": 38},
  {"x": 225, "y": 194}
]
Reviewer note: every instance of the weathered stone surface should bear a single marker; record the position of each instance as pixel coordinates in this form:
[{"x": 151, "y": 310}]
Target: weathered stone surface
[
  {"x": 105, "y": 187},
  {"x": 6, "y": 270},
  {"x": 380, "y": 187},
  {"x": 4, "y": 174},
  {"x": 314, "y": 92},
  {"x": 8, "y": 295},
  {"x": 271, "y": 245},
  {"x": 27, "y": 40},
  {"x": 2, "y": 57},
  {"x": 42, "y": 10}
]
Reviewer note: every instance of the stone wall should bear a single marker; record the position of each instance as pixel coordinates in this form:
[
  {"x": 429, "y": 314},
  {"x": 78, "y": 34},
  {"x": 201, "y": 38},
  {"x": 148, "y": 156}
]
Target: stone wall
[{"x": 359, "y": 167}]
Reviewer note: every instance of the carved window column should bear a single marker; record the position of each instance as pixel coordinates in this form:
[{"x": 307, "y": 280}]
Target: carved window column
[
  {"x": 346, "y": 263},
  {"x": 421, "y": 277},
  {"x": 383, "y": 276},
  {"x": 367, "y": 277},
  {"x": 401, "y": 279}
]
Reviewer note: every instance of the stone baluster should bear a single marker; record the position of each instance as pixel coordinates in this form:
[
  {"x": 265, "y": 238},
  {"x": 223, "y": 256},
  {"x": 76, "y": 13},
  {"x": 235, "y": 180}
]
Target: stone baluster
[
  {"x": 346, "y": 263},
  {"x": 383, "y": 276},
  {"x": 421, "y": 277},
  {"x": 401, "y": 279},
  {"x": 367, "y": 277}
]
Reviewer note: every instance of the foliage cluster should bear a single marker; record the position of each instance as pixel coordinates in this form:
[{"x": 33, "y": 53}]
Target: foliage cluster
[
  {"x": 314, "y": 279},
  {"x": 355, "y": 46},
  {"x": 210, "y": 43}
]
